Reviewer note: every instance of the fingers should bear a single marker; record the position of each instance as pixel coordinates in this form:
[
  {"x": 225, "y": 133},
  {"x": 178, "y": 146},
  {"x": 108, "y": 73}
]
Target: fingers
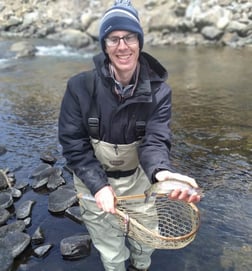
[
  {"x": 184, "y": 196},
  {"x": 105, "y": 199},
  {"x": 106, "y": 204}
]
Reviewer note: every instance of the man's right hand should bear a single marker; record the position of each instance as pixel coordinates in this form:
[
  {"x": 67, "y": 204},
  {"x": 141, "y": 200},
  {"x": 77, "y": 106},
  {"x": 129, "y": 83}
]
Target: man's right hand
[{"x": 105, "y": 199}]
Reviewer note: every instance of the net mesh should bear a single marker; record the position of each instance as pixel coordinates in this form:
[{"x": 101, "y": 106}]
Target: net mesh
[{"x": 161, "y": 223}]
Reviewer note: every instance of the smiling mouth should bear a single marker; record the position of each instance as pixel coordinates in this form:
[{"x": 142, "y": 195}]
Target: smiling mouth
[{"x": 123, "y": 57}]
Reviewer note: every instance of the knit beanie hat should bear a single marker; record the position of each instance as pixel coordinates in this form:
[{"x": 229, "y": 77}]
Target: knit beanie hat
[{"x": 122, "y": 16}]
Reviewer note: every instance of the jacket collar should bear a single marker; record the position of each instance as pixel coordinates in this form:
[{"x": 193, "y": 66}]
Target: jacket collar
[{"x": 154, "y": 70}]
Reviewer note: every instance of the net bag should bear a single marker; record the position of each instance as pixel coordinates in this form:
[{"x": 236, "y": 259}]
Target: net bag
[{"x": 161, "y": 223}]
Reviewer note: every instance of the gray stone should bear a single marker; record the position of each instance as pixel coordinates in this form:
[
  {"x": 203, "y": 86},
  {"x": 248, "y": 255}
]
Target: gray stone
[
  {"x": 76, "y": 247},
  {"x": 23, "y": 49},
  {"x": 38, "y": 236},
  {"x": 211, "y": 33},
  {"x": 37, "y": 171},
  {"x": 41, "y": 251},
  {"x": 16, "y": 242},
  {"x": 6, "y": 200},
  {"x": 61, "y": 199},
  {"x": 6, "y": 259},
  {"x": 13, "y": 227},
  {"x": 24, "y": 209},
  {"x": 4, "y": 216}
]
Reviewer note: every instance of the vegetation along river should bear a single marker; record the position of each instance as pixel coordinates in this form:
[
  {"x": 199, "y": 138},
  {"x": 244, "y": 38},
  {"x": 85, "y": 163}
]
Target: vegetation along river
[{"x": 212, "y": 141}]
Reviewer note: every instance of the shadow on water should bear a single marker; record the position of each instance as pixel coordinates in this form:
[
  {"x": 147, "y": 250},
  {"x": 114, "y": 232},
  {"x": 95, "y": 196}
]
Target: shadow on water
[{"x": 212, "y": 126}]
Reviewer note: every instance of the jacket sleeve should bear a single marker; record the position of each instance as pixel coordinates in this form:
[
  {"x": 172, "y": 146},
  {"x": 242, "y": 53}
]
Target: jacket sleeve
[
  {"x": 154, "y": 150},
  {"x": 74, "y": 137}
]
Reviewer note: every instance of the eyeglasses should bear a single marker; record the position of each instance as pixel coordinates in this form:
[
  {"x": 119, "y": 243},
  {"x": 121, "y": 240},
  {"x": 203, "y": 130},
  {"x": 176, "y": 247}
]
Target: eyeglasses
[{"x": 129, "y": 39}]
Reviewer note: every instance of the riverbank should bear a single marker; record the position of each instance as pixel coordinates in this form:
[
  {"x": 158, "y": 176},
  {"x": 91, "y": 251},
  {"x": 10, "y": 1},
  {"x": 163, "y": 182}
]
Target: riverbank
[{"x": 165, "y": 22}]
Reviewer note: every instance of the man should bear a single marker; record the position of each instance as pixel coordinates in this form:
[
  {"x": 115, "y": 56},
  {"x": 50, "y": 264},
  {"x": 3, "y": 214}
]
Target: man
[{"x": 114, "y": 127}]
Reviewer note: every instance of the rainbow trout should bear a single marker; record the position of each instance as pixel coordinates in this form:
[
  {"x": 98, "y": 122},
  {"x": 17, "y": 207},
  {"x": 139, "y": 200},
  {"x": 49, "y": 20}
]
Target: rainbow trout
[{"x": 166, "y": 187}]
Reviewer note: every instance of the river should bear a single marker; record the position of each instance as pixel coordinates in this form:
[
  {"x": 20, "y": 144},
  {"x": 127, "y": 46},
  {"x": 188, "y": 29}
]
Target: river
[{"x": 212, "y": 142}]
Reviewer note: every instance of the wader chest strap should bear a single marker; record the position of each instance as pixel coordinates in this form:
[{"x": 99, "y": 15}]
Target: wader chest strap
[{"x": 93, "y": 120}]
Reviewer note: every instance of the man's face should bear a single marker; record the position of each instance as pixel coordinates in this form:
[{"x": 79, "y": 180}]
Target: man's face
[{"x": 123, "y": 53}]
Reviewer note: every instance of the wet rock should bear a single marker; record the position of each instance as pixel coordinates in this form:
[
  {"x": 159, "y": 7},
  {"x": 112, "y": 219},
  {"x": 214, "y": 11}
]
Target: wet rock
[
  {"x": 76, "y": 247},
  {"x": 61, "y": 199},
  {"x": 55, "y": 181},
  {"x": 39, "y": 184},
  {"x": 74, "y": 213},
  {"x": 24, "y": 209},
  {"x": 22, "y": 185},
  {"x": 13, "y": 227},
  {"x": 42, "y": 250},
  {"x": 43, "y": 178},
  {"x": 37, "y": 171},
  {"x": 16, "y": 194},
  {"x": 45, "y": 174},
  {"x": 16, "y": 242},
  {"x": 38, "y": 236},
  {"x": 27, "y": 221},
  {"x": 23, "y": 49},
  {"x": 4, "y": 216},
  {"x": 48, "y": 157},
  {"x": 6, "y": 200},
  {"x": 6, "y": 259},
  {"x": 5, "y": 179}
]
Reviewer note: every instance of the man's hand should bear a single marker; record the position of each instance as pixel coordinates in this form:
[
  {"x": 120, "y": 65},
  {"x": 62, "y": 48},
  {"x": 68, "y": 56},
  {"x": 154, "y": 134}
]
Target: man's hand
[
  {"x": 179, "y": 194},
  {"x": 105, "y": 199}
]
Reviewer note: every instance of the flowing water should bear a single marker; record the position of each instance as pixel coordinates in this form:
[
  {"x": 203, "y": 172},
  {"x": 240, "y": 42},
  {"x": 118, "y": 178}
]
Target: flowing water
[{"x": 212, "y": 127}]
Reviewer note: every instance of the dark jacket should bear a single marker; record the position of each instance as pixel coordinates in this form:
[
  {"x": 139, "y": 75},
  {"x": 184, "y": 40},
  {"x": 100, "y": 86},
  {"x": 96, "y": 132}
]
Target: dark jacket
[{"x": 151, "y": 103}]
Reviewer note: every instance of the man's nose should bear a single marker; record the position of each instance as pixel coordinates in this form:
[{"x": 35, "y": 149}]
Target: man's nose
[{"x": 122, "y": 43}]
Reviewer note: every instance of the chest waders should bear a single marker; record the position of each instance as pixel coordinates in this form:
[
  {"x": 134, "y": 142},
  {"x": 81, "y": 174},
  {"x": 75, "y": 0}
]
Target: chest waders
[
  {"x": 106, "y": 237},
  {"x": 126, "y": 176}
]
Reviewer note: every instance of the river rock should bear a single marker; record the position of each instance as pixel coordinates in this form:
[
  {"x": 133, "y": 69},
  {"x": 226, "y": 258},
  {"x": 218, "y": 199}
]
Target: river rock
[
  {"x": 13, "y": 227},
  {"x": 24, "y": 209},
  {"x": 48, "y": 172},
  {"x": 27, "y": 221},
  {"x": 42, "y": 179},
  {"x": 37, "y": 171},
  {"x": 76, "y": 247},
  {"x": 16, "y": 193},
  {"x": 6, "y": 200},
  {"x": 4, "y": 216},
  {"x": 22, "y": 185},
  {"x": 61, "y": 199},
  {"x": 38, "y": 236},
  {"x": 55, "y": 181},
  {"x": 41, "y": 251},
  {"x": 6, "y": 258},
  {"x": 212, "y": 33},
  {"x": 16, "y": 242},
  {"x": 5, "y": 179},
  {"x": 23, "y": 49},
  {"x": 48, "y": 157}
]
